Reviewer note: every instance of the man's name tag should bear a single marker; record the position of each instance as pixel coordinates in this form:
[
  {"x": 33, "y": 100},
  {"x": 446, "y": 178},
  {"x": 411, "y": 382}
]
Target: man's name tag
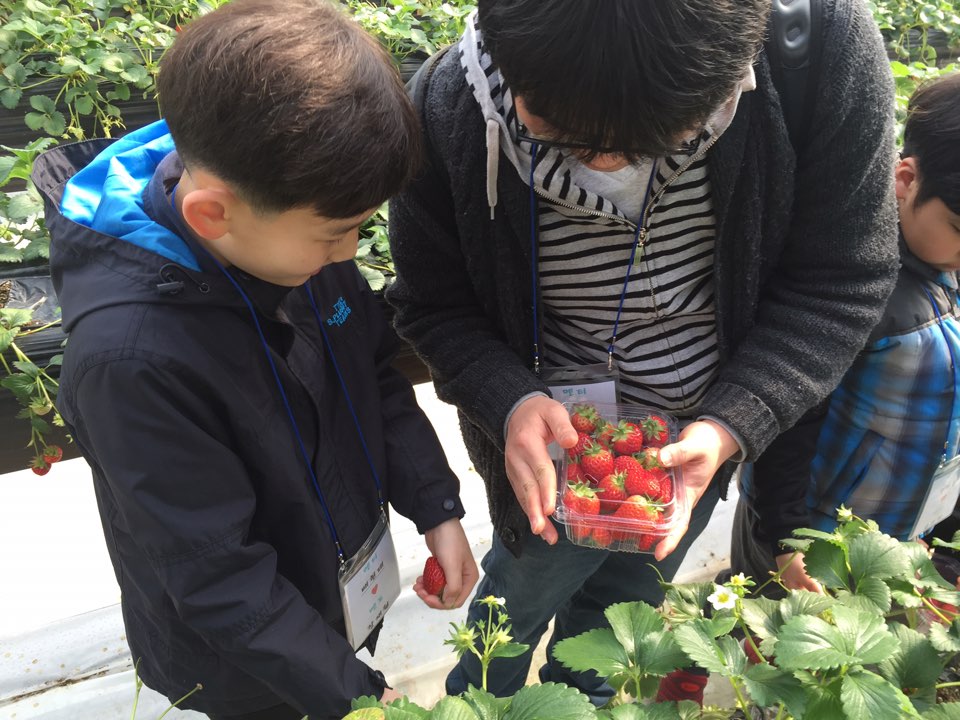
[
  {"x": 941, "y": 498},
  {"x": 369, "y": 584}
]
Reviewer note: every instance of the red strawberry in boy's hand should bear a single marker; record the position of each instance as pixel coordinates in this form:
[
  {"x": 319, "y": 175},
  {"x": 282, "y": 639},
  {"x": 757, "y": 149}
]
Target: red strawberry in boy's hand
[
  {"x": 612, "y": 492},
  {"x": 596, "y": 462},
  {"x": 575, "y": 473},
  {"x": 626, "y": 438},
  {"x": 655, "y": 430},
  {"x": 644, "y": 483},
  {"x": 628, "y": 465},
  {"x": 434, "y": 581},
  {"x": 666, "y": 489},
  {"x": 602, "y": 537},
  {"x": 584, "y": 418}
]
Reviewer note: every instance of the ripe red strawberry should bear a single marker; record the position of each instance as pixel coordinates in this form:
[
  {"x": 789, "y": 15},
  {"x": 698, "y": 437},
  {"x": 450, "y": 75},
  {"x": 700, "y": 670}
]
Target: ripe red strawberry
[
  {"x": 648, "y": 458},
  {"x": 655, "y": 430},
  {"x": 637, "y": 508},
  {"x": 596, "y": 462},
  {"x": 40, "y": 466},
  {"x": 666, "y": 489},
  {"x": 628, "y": 465},
  {"x": 434, "y": 581},
  {"x": 583, "y": 442},
  {"x": 575, "y": 473},
  {"x": 52, "y": 453},
  {"x": 612, "y": 492},
  {"x": 581, "y": 499},
  {"x": 604, "y": 433},
  {"x": 602, "y": 537},
  {"x": 584, "y": 418},
  {"x": 644, "y": 483},
  {"x": 627, "y": 438}
]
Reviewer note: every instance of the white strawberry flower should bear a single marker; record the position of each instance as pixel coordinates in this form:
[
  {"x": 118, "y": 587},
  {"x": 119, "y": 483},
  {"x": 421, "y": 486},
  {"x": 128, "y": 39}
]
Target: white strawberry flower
[{"x": 722, "y": 598}]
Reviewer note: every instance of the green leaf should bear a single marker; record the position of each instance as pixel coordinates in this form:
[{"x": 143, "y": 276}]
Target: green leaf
[
  {"x": 915, "y": 664},
  {"x": 899, "y": 69},
  {"x": 825, "y": 705},
  {"x": 685, "y": 602},
  {"x": 509, "y": 650},
  {"x": 34, "y": 121},
  {"x": 452, "y": 708},
  {"x": 631, "y": 621},
  {"x": 945, "y": 711},
  {"x": 404, "y": 709},
  {"x": 55, "y": 123},
  {"x": 867, "y": 696},
  {"x": 826, "y": 562},
  {"x": 596, "y": 650},
  {"x": 816, "y": 534},
  {"x": 84, "y": 104},
  {"x": 22, "y": 206},
  {"x": 10, "y": 97},
  {"x": 552, "y": 701},
  {"x": 16, "y": 73},
  {"x": 803, "y": 602},
  {"x": 43, "y": 104},
  {"x": 867, "y": 638},
  {"x": 27, "y": 368},
  {"x": 6, "y": 337},
  {"x": 875, "y": 590},
  {"x": 762, "y": 616},
  {"x": 809, "y": 643},
  {"x": 769, "y": 685},
  {"x": 485, "y": 705},
  {"x": 876, "y": 555},
  {"x": 723, "y": 656},
  {"x": 658, "y": 711},
  {"x": 15, "y": 317},
  {"x": 114, "y": 63},
  {"x": 946, "y": 639}
]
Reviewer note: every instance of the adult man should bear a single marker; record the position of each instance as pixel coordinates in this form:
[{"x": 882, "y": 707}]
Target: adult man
[{"x": 639, "y": 153}]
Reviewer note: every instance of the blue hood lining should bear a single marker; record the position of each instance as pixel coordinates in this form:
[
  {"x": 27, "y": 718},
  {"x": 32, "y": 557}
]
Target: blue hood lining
[{"x": 107, "y": 195}]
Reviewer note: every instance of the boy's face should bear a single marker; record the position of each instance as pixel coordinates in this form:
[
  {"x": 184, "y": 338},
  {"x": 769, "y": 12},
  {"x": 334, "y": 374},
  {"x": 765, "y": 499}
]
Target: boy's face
[
  {"x": 931, "y": 230},
  {"x": 284, "y": 248},
  {"x": 288, "y": 248}
]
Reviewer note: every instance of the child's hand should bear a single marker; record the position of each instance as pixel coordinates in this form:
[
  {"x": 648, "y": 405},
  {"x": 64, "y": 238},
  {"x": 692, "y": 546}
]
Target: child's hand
[
  {"x": 389, "y": 695},
  {"x": 795, "y": 577},
  {"x": 702, "y": 448},
  {"x": 449, "y": 545}
]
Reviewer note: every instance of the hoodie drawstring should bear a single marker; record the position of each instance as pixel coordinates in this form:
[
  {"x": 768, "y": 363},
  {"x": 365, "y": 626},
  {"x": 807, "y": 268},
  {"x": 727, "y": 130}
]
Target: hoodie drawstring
[{"x": 493, "y": 163}]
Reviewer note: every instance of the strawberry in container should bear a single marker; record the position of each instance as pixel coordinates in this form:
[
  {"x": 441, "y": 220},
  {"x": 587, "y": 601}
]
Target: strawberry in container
[{"x": 616, "y": 495}]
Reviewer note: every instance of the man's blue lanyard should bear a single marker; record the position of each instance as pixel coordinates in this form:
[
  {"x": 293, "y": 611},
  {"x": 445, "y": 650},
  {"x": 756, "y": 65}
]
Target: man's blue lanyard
[
  {"x": 953, "y": 370},
  {"x": 286, "y": 402},
  {"x": 534, "y": 261}
]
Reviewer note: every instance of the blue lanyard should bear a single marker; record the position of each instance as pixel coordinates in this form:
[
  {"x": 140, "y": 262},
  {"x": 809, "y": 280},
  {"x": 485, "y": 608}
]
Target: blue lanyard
[
  {"x": 286, "y": 401},
  {"x": 953, "y": 366},
  {"x": 534, "y": 261}
]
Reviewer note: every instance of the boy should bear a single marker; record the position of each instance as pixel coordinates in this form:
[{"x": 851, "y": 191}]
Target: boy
[
  {"x": 228, "y": 373},
  {"x": 888, "y": 446}
]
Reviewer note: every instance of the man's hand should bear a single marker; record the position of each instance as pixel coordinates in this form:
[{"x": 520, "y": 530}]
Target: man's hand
[
  {"x": 702, "y": 448},
  {"x": 535, "y": 424},
  {"x": 448, "y": 543},
  {"x": 795, "y": 577},
  {"x": 389, "y": 695}
]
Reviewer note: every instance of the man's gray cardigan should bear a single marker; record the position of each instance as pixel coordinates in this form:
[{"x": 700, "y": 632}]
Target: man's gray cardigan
[{"x": 805, "y": 257}]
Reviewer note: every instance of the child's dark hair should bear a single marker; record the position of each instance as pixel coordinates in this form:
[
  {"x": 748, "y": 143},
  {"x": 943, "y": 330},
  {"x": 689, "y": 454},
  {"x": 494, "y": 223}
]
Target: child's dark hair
[
  {"x": 293, "y": 104},
  {"x": 932, "y": 136},
  {"x": 631, "y": 75}
]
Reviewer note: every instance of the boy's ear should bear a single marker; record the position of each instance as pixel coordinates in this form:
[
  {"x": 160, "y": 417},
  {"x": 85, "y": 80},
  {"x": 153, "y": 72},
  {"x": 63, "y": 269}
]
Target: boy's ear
[
  {"x": 207, "y": 211},
  {"x": 906, "y": 178}
]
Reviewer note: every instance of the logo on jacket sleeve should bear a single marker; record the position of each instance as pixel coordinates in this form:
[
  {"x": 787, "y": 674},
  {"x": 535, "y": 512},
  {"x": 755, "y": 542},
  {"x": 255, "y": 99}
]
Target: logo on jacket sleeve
[{"x": 340, "y": 312}]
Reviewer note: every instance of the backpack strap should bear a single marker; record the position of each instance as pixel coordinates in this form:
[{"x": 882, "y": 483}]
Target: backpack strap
[
  {"x": 794, "y": 49},
  {"x": 418, "y": 84}
]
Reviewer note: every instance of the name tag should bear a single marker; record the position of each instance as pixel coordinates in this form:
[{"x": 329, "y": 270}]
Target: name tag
[
  {"x": 369, "y": 584},
  {"x": 941, "y": 498}
]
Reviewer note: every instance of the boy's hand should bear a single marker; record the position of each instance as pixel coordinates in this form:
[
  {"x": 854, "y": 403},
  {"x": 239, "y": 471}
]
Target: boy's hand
[
  {"x": 702, "y": 448},
  {"x": 389, "y": 695},
  {"x": 795, "y": 577},
  {"x": 448, "y": 543},
  {"x": 536, "y": 423}
]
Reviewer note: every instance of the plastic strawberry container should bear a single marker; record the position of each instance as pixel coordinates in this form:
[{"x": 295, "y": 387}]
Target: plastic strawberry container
[{"x": 613, "y": 494}]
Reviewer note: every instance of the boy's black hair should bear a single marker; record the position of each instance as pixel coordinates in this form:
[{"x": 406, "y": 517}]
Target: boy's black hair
[
  {"x": 292, "y": 104},
  {"x": 932, "y": 136},
  {"x": 633, "y": 75}
]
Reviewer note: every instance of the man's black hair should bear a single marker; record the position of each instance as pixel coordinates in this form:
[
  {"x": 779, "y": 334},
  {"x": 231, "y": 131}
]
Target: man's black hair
[
  {"x": 634, "y": 75},
  {"x": 293, "y": 104},
  {"x": 932, "y": 136}
]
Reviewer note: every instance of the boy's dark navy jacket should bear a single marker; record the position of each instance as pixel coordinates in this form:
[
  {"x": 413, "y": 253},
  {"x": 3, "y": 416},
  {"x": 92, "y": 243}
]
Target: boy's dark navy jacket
[{"x": 224, "y": 558}]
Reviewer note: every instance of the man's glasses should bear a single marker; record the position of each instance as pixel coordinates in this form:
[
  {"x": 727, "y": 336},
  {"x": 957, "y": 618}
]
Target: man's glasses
[{"x": 687, "y": 147}]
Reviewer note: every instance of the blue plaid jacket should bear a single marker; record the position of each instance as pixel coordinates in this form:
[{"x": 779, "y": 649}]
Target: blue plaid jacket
[{"x": 895, "y": 415}]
